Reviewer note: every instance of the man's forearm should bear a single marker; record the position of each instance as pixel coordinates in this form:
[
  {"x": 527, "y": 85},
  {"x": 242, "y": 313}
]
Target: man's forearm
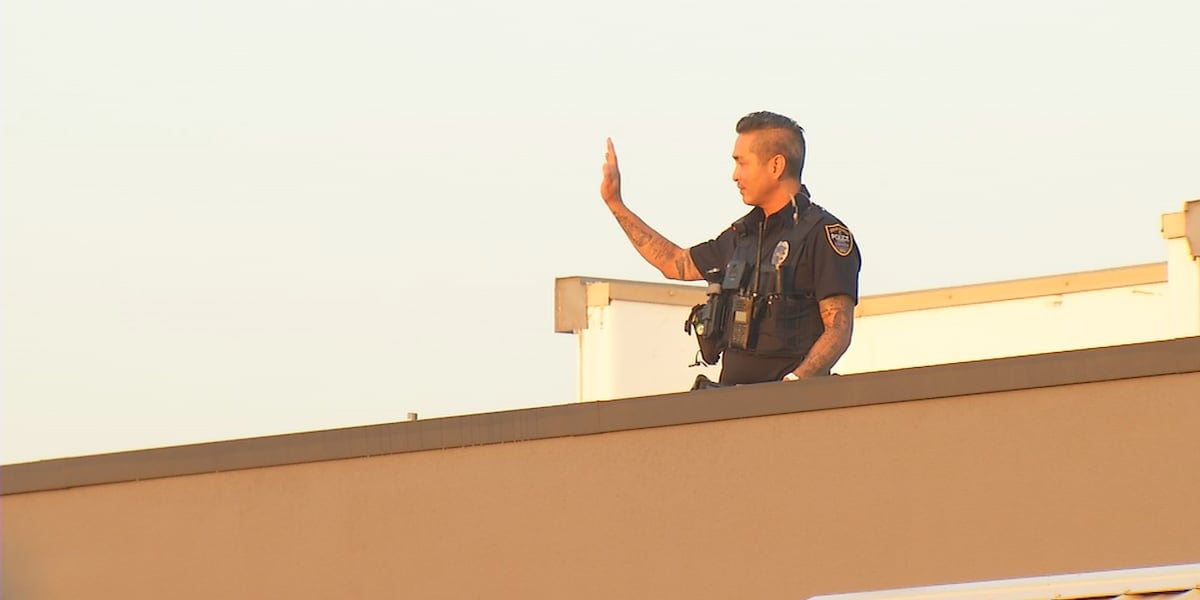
[
  {"x": 824, "y": 353},
  {"x": 838, "y": 315},
  {"x": 663, "y": 254}
]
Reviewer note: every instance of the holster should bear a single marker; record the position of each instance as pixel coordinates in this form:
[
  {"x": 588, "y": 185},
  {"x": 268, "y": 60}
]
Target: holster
[{"x": 710, "y": 346}]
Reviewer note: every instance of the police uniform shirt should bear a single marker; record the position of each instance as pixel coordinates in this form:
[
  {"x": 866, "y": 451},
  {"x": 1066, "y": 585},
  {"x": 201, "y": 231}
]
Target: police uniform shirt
[{"x": 828, "y": 265}]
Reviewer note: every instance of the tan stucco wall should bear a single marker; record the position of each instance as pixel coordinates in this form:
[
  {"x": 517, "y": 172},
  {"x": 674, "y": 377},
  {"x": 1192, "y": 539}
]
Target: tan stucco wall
[{"x": 1027, "y": 482}]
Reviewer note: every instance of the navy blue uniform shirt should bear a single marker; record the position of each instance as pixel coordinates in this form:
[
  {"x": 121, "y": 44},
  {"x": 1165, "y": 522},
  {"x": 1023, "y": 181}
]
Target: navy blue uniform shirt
[{"x": 827, "y": 266}]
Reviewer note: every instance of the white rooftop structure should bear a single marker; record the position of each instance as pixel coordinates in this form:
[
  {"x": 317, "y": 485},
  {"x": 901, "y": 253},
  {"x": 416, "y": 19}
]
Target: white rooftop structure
[
  {"x": 632, "y": 343},
  {"x": 1174, "y": 582}
]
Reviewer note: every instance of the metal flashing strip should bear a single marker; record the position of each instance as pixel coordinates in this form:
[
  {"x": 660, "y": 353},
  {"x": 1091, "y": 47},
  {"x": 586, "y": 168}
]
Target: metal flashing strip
[
  {"x": 1016, "y": 289},
  {"x": 574, "y": 294},
  {"x": 1150, "y": 359}
]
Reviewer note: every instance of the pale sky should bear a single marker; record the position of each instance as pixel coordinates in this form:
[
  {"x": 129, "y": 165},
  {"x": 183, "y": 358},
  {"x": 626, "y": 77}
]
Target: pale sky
[{"x": 240, "y": 218}]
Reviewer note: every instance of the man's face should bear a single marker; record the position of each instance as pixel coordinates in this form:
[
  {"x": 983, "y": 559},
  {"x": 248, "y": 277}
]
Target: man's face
[{"x": 751, "y": 172}]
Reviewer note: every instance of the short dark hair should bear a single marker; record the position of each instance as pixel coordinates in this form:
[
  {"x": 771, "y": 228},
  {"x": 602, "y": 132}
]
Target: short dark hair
[{"x": 784, "y": 136}]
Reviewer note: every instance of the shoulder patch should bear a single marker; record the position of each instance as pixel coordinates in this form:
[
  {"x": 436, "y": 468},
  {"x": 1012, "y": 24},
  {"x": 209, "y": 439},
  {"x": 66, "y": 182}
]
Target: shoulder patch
[{"x": 840, "y": 239}]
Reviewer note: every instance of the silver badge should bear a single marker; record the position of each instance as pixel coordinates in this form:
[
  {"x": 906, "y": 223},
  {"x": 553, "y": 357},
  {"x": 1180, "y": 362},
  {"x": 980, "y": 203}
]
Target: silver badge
[{"x": 780, "y": 254}]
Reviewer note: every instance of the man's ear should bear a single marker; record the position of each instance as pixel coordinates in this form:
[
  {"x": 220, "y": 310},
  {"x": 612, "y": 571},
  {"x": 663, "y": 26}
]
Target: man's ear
[{"x": 777, "y": 164}]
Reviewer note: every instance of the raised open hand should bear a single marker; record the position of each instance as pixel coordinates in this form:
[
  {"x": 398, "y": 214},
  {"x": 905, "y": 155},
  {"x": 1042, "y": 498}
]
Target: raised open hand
[{"x": 610, "y": 186}]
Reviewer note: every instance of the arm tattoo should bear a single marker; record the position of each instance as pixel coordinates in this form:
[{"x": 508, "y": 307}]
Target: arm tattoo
[
  {"x": 681, "y": 265},
  {"x": 660, "y": 252},
  {"x": 637, "y": 232},
  {"x": 837, "y": 313}
]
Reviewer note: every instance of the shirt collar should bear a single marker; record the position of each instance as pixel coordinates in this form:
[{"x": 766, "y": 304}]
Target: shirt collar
[{"x": 749, "y": 222}]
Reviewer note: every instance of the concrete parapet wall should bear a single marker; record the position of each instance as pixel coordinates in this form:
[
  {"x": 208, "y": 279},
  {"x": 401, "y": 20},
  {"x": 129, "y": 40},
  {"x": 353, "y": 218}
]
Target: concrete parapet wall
[{"x": 1028, "y": 466}]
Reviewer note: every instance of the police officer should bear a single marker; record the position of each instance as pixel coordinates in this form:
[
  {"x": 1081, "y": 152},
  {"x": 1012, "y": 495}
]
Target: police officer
[{"x": 783, "y": 279}]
